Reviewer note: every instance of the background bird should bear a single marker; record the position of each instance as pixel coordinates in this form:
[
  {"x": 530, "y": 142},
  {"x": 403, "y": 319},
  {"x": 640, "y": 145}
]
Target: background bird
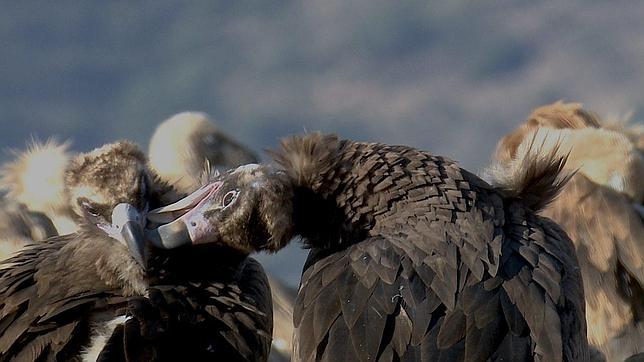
[
  {"x": 182, "y": 144},
  {"x": 34, "y": 204},
  {"x": 412, "y": 257},
  {"x": 601, "y": 210},
  {"x": 19, "y": 226}
]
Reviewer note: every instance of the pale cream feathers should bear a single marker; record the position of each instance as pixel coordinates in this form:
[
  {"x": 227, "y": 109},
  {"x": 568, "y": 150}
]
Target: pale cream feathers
[{"x": 599, "y": 209}]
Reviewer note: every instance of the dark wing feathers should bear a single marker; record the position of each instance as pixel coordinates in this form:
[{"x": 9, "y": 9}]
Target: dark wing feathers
[
  {"x": 32, "y": 328},
  {"x": 452, "y": 329},
  {"x": 325, "y": 310},
  {"x": 609, "y": 249},
  {"x": 338, "y": 348},
  {"x": 497, "y": 317},
  {"x": 449, "y": 269},
  {"x": 391, "y": 318},
  {"x": 41, "y": 320},
  {"x": 47, "y": 344},
  {"x": 545, "y": 288},
  {"x": 229, "y": 320}
]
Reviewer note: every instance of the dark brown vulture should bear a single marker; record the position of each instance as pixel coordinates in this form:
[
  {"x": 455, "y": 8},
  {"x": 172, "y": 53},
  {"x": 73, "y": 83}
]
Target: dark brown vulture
[
  {"x": 413, "y": 258},
  {"x": 87, "y": 295},
  {"x": 179, "y": 149},
  {"x": 601, "y": 210}
]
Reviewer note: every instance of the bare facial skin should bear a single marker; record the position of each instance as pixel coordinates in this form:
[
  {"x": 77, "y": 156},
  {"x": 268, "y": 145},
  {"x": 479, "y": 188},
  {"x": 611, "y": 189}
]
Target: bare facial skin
[{"x": 240, "y": 195}]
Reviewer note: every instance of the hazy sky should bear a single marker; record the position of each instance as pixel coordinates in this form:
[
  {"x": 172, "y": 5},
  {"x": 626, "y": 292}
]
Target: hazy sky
[{"x": 449, "y": 77}]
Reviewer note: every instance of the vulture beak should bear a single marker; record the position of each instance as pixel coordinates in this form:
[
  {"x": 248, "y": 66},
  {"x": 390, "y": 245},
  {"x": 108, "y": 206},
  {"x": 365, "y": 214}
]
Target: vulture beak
[
  {"x": 127, "y": 227},
  {"x": 640, "y": 209},
  {"x": 184, "y": 221}
]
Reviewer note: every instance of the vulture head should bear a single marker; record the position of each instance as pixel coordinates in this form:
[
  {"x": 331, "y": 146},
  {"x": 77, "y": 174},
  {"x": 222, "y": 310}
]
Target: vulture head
[
  {"x": 246, "y": 209},
  {"x": 108, "y": 190},
  {"x": 183, "y": 143}
]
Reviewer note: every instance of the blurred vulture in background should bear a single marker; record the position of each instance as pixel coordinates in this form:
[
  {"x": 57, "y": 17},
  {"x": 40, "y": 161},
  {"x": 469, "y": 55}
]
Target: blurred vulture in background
[
  {"x": 412, "y": 258},
  {"x": 98, "y": 294},
  {"x": 183, "y": 143},
  {"x": 601, "y": 210},
  {"x": 34, "y": 204},
  {"x": 19, "y": 226}
]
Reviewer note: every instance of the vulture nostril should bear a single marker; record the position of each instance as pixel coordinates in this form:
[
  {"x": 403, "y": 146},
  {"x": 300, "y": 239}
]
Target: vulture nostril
[{"x": 193, "y": 223}]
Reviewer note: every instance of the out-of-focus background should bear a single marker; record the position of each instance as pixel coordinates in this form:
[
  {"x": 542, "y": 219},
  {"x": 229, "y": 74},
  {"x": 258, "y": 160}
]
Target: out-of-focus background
[{"x": 449, "y": 77}]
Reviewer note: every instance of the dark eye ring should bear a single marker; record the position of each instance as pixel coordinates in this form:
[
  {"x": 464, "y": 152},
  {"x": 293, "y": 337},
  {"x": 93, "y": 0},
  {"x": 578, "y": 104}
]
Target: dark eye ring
[
  {"x": 89, "y": 208},
  {"x": 229, "y": 198}
]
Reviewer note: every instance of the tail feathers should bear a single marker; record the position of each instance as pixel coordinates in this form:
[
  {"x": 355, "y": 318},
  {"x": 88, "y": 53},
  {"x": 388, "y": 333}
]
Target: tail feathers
[
  {"x": 36, "y": 176},
  {"x": 536, "y": 174}
]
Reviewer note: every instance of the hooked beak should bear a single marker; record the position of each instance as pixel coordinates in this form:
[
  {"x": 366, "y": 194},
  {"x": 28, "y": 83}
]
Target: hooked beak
[
  {"x": 183, "y": 221},
  {"x": 127, "y": 227}
]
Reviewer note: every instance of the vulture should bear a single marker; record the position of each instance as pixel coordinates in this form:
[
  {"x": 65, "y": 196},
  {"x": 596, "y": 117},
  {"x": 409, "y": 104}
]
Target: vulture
[
  {"x": 412, "y": 257},
  {"x": 19, "y": 225},
  {"x": 180, "y": 147},
  {"x": 33, "y": 206},
  {"x": 183, "y": 143},
  {"x": 601, "y": 210},
  {"x": 100, "y": 294}
]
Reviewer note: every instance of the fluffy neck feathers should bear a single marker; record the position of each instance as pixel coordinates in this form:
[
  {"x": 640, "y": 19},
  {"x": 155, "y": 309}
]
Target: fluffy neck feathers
[
  {"x": 320, "y": 167},
  {"x": 312, "y": 161}
]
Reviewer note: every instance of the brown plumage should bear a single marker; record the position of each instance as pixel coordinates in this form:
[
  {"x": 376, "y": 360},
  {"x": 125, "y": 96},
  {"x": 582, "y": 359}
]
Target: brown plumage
[
  {"x": 413, "y": 258},
  {"x": 86, "y": 295},
  {"x": 54, "y": 292},
  {"x": 600, "y": 209}
]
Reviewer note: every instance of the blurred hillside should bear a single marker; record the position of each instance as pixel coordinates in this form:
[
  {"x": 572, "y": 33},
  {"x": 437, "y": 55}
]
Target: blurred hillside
[{"x": 449, "y": 77}]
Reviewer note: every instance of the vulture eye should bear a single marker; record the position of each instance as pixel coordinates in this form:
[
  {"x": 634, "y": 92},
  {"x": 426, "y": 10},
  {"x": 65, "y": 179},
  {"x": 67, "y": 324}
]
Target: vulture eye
[
  {"x": 89, "y": 208},
  {"x": 229, "y": 198}
]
